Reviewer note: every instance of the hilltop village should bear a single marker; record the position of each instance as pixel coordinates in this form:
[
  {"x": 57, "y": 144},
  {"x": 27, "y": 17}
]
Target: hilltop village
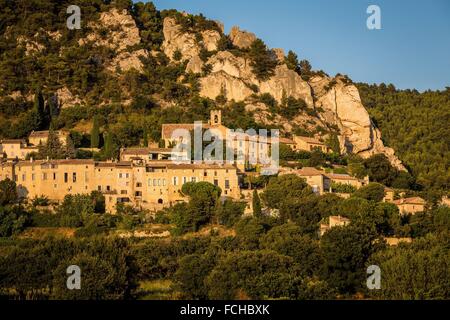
[{"x": 151, "y": 178}]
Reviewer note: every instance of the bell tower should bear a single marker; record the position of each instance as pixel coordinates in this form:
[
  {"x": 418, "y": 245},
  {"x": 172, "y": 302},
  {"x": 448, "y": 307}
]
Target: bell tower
[{"x": 216, "y": 118}]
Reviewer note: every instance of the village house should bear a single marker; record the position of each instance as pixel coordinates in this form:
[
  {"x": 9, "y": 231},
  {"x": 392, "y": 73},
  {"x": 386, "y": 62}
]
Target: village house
[
  {"x": 321, "y": 182},
  {"x": 16, "y": 149},
  {"x": 37, "y": 138},
  {"x": 410, "y": 205},
  {"x": 151, "y": 154},
  {"x": 147, "y": 186},
  {"x": 333, "y": 221},
  {"x": 308, "y": 144}
]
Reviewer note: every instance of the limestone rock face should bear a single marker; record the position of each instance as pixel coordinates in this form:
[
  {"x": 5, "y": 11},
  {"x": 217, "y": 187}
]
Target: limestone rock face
[
  {"x": 289, "y": 82},
  {"x": 240, "y": 38},
  {"x": 210, "y": 39},
  {"x": 216, "y": 83},
  {"x": 342, "y": 107},
  {"x": 66, "y": 99},
  {"x": 226, "y": 66},
  {"x": 279, "y": 54},
  {"x": 195, "y": 65},
  {"x": 123, "y": 31},
  {"x": 128, "y": 60},
  {"x": 175, "y": 39}
]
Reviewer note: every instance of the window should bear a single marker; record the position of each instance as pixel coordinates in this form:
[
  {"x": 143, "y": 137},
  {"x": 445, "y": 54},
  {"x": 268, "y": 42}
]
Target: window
[
  {"x": 23, "y": 177},
  {"x": 108, "y": 188},
  {"x": 149, "y": 182},
  {"x": 159, "y": 182},
  {"x": 74, "y": 177},
  {"x": 175, "y": 181},
  {"x": 66, "y": 177},
  {"x": 44, "y": 176},
  {"x": 216, "y": 182},
  {"x": 138, "y": 194},
  {"x": 99, "y": 188},
  {"x": 32, "y": 177},
  {"x": 123, "y": 191},
  {"x": 154, "y": 182},
  {"x": 193, "y": 179},
  {"x": 227, "y": 184},
  {"x": 164, "y": 182},
  {"x": 184, "y": 180},
  {"x": 54, "y": 176},
  {"x": 120, "y": 176},
  {"x": 138, "y": 185}
]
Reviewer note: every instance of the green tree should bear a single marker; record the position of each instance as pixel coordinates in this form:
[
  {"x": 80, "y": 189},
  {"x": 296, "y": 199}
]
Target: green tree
[
  {"x": 256, "y": 202},
  {"x": 229, "y": 212},
  {"x": 373, "y": 191},
  {"x": 191, "y": 274},
  {"x": 346, "y": 251},
  {"x": 8, "y": 192},
  {"x": 95, "y": 133},
  {"x": 262, "y": 61},
  {"x": 284, "y": 187},
  {"x": 292, "y": 61}
]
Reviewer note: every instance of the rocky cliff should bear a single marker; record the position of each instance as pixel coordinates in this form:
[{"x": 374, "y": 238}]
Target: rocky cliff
[{"x": 336, "y": 100}]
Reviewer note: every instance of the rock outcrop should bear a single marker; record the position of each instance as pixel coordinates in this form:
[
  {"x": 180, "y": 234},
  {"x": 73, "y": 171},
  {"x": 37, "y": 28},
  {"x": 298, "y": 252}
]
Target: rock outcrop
[
  {"x": 340, "y": 105},
  {"x": 336, "y": 101},
  {"x": 122, "y": 31},
  {"x": 240, "y": 38},
  {"x": 126, "y": 61},
  {"x": 176, "y": 40},
  {"x": 66, "y": 99},
  {"x": 236, "y": 76}
]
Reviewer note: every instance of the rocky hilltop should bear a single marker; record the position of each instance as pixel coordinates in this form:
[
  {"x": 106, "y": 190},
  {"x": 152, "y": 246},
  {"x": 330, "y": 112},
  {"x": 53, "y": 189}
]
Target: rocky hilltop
[
  {"x": 121, "y": 44},
  {"x": 335, "y": 100}
]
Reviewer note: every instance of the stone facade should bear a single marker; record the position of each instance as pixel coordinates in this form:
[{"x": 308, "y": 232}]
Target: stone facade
[{"x": 151, "y": 186}]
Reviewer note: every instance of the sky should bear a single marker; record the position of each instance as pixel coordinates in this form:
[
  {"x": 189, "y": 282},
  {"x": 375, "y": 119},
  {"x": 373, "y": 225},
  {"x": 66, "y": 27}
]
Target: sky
[{"x": 411, "y": 50}]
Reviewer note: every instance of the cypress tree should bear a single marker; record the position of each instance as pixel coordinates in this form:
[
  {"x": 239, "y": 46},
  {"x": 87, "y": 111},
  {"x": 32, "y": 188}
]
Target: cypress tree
[
  {"x": 256, "y": 204},
  {"x": 95, "y": 133}
]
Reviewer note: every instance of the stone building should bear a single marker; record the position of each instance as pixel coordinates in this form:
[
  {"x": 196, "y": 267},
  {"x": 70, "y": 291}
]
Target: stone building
[
  {"x": 410, "y": 205},
  {"x": 16, "y": 149},
  {"x": 309, "y": 144},
  {"x": 141, "y": 185},
  {"x": 40, "y": 137}
]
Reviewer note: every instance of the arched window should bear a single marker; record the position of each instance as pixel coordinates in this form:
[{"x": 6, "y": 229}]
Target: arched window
[{"x": 160, "y": 201}]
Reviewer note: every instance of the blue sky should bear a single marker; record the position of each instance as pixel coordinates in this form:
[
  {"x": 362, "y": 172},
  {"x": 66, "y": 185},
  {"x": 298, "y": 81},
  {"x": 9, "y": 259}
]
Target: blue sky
[{"x": 412, "y": 50}]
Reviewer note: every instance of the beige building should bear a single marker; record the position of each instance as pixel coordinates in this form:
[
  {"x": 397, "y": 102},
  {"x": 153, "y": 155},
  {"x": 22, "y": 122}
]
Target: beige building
[
  {"x": 151, "y": 154},
  {"x": 333, "y": 221},
  {"x": 309, "y": 144},
  {"x": 410, "y": 205},
  {"x": 16, "y": 149},
  {"x": 40, "y": 137},
  {"x": 347, "y": 179},
  {"x": 321, "y": 182},
  {"x": 142, "y": 185},
  {"x": 388, "y": 194}
]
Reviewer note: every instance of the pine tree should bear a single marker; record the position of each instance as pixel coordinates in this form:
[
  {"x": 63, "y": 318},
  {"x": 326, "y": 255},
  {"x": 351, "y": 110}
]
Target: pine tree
[
  {"x": 292, "y": 61},
  {"x": 256, "y": 204},
  {"x": 263, "y": 63},
  {"x": 95, "y": 133}
]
